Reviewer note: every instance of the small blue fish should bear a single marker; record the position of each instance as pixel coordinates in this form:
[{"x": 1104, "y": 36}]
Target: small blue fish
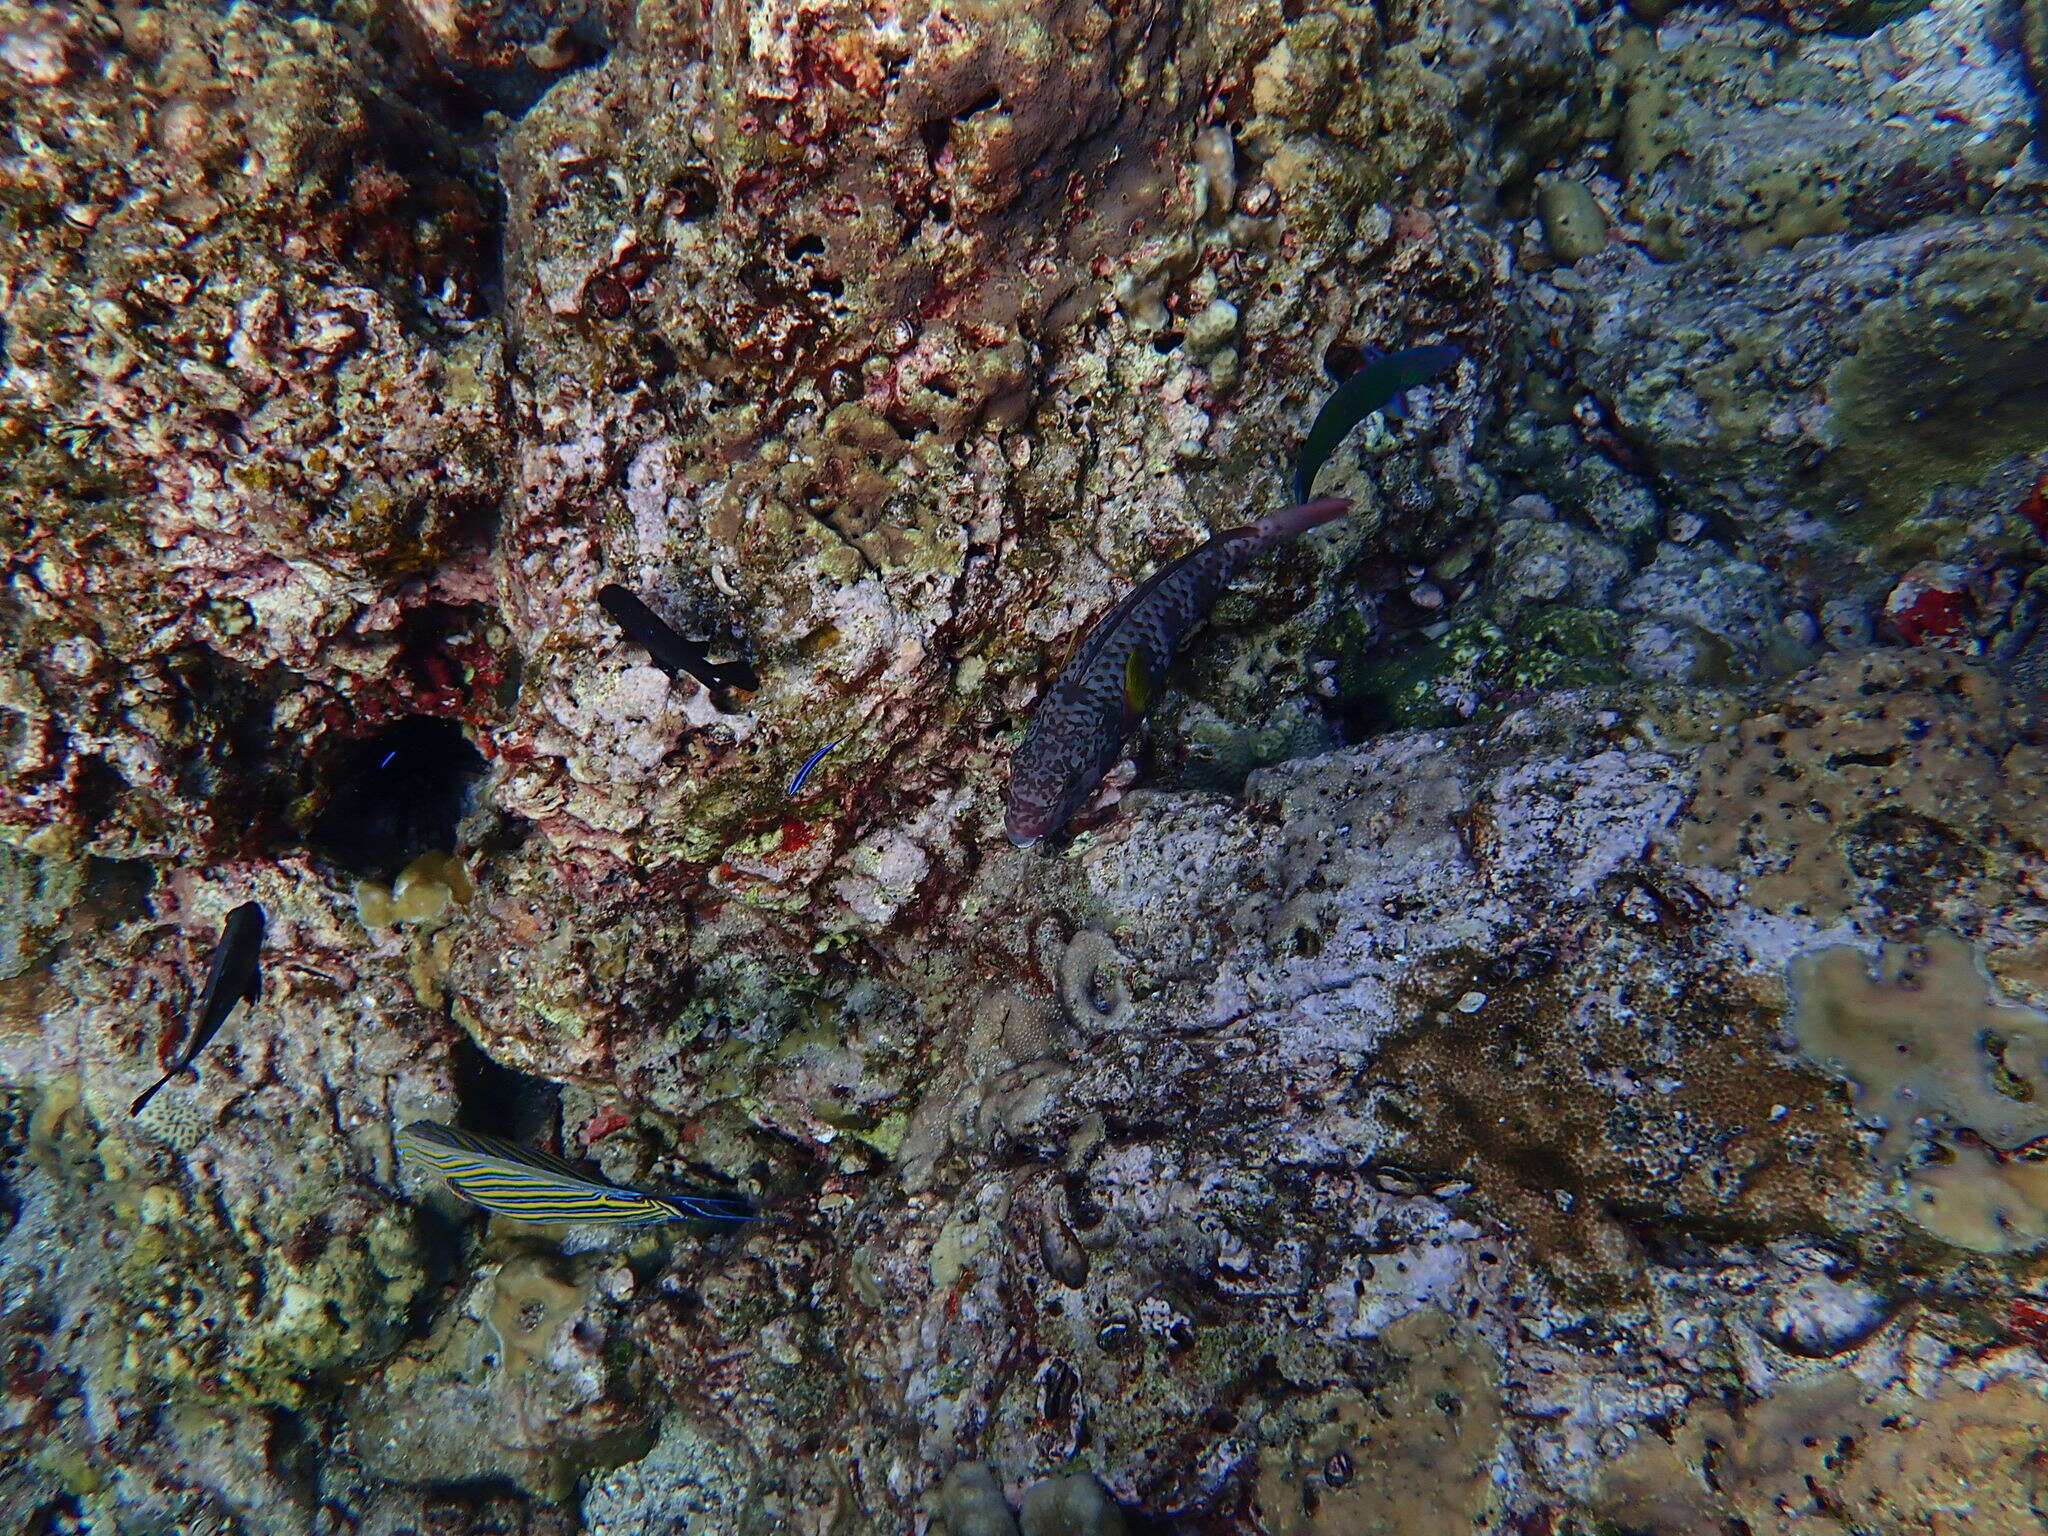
[
  {"x": 530, "y": 1185},
  {"x": 1381, "y": 383},
  {"x": 810, "y": 762}
]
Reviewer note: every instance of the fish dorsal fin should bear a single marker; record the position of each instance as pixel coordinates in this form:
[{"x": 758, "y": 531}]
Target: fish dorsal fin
[
  {"x": 1099, "y": 634},
  {"x": 1106, "y": 627},
  {"x": 492, "y": 1148}
]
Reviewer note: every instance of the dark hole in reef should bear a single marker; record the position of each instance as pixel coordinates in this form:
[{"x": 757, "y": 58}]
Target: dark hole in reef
[
  {"x": 63, "y": 1513},
  {"x": 466, "y": 209},
  {"x": 225, "y": 709},
  {"x": 989, "y": 101},
  {"x": 1061, "y": 1386},
  {"x": 1341, "y": 361},
  {"x": 99, "y": 791},
  {"x": 394, "y": 796},
  {"x": 291, "y": 1452},
  {"x": 696, "y": 196},
  {"x": 462, "y": 95},
  {"x": 805, "y": 245},
  {"x": 662, "y": 364},
  {"x": 1084, "y": 1214},
  {"x": 1166, "y": 341},
  {"x": 935, "y": 135},
  {"x": 496, "y": 1100},
  {"x": 482, "y": 1503},
  {"x": 831, "y": 287}
]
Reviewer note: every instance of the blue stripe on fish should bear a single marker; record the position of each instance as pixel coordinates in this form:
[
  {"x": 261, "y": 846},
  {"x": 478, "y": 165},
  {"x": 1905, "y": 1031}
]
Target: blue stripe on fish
[{"x": 810, "y": 762}]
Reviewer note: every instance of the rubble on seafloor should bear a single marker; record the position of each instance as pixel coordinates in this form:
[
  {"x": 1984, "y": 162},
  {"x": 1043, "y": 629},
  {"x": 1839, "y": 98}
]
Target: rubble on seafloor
[{"x": 1547, "y": 1041}]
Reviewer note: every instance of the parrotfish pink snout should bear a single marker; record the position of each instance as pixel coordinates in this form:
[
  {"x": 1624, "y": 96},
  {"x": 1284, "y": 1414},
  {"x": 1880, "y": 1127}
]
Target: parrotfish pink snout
[
  {"x": 1025, "y": 825},
  {"x": 1080, "y": 725}
]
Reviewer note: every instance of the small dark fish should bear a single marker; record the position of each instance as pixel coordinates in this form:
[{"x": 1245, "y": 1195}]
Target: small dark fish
[
  {"x": 1379, "y": 385},
  {"x": 667, "y": 649},
  {"x": 797, "y": 782},
  {"x": 235, "y": 975},
  {"x": 530, "y": 1185},
  {"x": 1080, "y": 725}
]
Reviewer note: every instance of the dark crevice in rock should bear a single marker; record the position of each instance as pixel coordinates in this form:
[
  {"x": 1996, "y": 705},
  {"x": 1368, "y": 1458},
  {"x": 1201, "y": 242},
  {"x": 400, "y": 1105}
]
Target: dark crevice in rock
[
  {"x": 495, "y": 1100},
  {"x": 395, "y": 795}
]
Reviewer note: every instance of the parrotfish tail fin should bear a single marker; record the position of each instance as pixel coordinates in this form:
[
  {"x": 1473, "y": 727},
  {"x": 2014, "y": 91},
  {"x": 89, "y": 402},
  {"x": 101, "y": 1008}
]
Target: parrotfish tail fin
[
  {"x": 1299, "y": 519},
  {"x": 1397, "y": 405},
  {"x": 1303, "y": 482}
]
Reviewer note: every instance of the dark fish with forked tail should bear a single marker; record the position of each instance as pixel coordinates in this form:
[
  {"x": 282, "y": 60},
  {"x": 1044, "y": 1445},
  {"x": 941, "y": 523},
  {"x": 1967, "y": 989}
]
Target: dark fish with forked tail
[
  {"x": 1080, "y": 725},
  {"x": 1380, "y": 384},
  {"x": 667, "y": 649},
  {"x": 236, "y": 974},
  {"x": 530, "y": 1185}
]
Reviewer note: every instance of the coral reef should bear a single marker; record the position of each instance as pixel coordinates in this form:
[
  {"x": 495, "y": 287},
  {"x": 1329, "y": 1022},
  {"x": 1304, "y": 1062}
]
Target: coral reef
[
  {"x": 254, "y": 422},
  {"x": 1835, "y": 1454},
  {"x": 1851, "y": 795},
  {"x": 1545, "y": 1038},
  {"x": 1926, "y": 1040},
  {"x": 1419, "y": 1451}
]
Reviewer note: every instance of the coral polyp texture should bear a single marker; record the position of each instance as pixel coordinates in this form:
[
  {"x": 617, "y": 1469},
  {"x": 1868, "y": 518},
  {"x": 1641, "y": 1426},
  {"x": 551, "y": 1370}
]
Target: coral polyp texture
[{"x": 1539, "y": 1033}]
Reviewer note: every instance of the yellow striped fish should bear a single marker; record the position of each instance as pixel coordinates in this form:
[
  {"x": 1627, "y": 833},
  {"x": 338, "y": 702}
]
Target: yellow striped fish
[{"x": 530, "y": 1185}]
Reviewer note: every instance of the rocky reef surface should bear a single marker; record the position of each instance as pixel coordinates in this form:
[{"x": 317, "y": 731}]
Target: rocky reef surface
[{"x": 1551, "y": 1040}]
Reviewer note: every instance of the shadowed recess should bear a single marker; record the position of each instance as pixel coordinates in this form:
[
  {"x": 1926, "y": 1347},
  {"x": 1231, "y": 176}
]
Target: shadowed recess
[
  {"x": 396, "y": 795},
  {"x": 495, "y": 1100}
]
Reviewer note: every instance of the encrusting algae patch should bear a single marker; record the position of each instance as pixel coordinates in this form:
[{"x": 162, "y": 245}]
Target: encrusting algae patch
[
  {"x": 1415, "y": 1455},
  {"x": 424, "y": 891},
  {"x": 1933, "y": 1049},
  {"x": 529, "y": 1305},
  {"x": 1902, "y": 779},
  {"x": 1835, "y": 1455}
]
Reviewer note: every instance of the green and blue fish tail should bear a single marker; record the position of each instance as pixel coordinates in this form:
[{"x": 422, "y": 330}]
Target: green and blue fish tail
[{"x": 1381, "y": 383}]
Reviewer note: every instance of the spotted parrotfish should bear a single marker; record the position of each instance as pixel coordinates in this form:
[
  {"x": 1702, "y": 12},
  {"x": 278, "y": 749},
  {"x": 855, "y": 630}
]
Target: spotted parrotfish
[
  {"x": 1381, "y": 384},
  {"x": 235, "y": 974},
  {"x": 1080, "y": 725}
]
